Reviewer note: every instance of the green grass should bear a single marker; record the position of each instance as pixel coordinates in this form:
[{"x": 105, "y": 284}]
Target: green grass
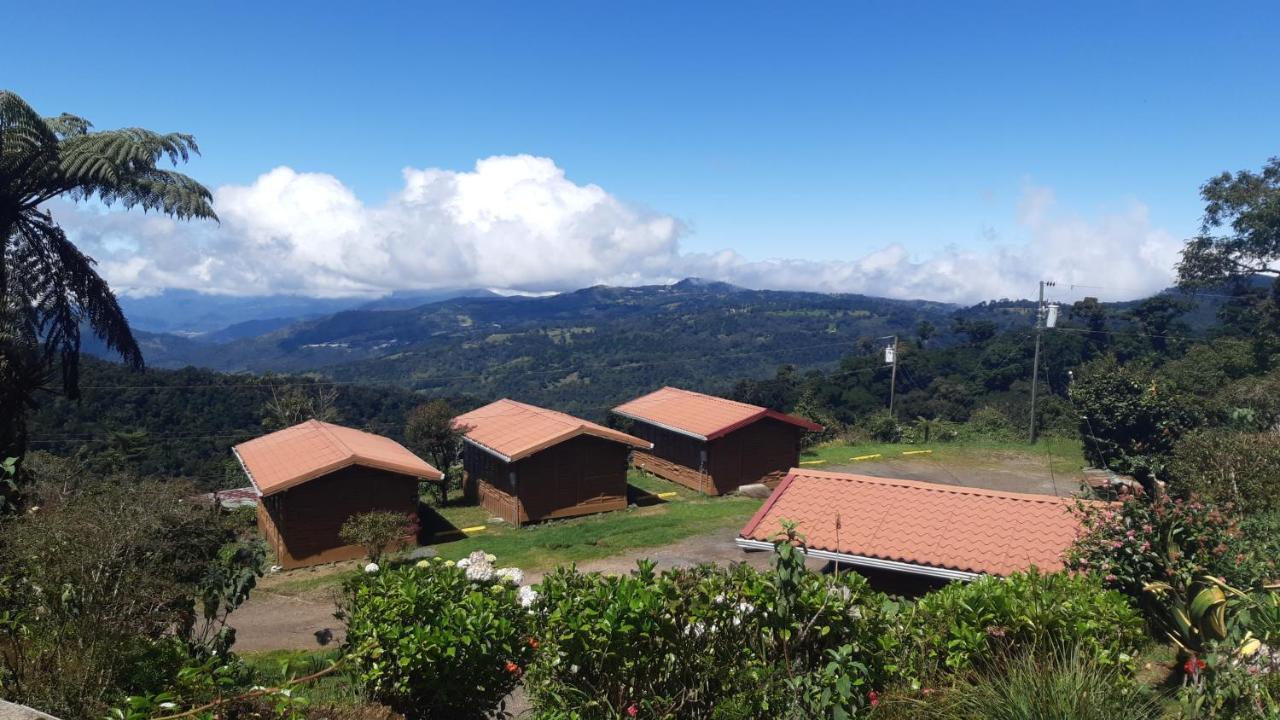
[
  {"x": 547, "y": 545},
  {"x": 276, "y": 667},
  {"x": 1064, "y": 454}
]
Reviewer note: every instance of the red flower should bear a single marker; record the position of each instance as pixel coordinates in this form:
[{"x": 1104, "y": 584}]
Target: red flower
[
  {"x": 533, "y": 643},
  {"x": 513, "y": 668},
  {"x": 632, "y": 710},
  {"x": 1193, "y": 666},
  {"x": 874, "y": 697}
]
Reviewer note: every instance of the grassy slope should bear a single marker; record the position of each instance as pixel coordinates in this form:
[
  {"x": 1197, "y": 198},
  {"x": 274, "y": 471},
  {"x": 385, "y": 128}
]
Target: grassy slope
[{"x": 1064, "y": 454}]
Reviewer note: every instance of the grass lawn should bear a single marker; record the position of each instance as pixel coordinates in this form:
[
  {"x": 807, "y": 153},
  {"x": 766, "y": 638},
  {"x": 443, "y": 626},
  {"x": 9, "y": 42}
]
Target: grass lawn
[{"x": 1064, "y": 454}]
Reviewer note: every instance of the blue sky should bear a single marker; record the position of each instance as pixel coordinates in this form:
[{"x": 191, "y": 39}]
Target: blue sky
[{"x": 821, "y": 132}]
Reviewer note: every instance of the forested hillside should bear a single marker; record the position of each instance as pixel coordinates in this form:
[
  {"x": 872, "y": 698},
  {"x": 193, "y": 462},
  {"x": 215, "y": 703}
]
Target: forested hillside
[{"x": 593, "y": 349}]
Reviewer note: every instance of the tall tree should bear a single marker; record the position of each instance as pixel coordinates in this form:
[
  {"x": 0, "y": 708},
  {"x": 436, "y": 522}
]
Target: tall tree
[
  {"x": 49, "y": 290},
  {"x": 1240, "y": 233},
  {"x": 429, "y": 430}
]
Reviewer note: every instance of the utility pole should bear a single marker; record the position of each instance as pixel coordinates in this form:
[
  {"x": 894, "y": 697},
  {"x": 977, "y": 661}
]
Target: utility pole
[
  {"x": 891, "y": 356},
  {"x": 1035, "y": 362}
]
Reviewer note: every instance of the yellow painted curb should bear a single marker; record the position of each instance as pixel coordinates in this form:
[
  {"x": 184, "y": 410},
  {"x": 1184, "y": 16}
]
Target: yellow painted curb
[
  {"x": 475, "y": 529},
  {"x": 866, "y": 457},
  {"x": 917, "y": 452},
  {"x": 666, "y": 495},
  {"x": 813, "y": 462}
]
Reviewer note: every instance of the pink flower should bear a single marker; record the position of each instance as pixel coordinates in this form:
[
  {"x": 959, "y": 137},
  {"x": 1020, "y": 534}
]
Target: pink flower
[
  {"x": 632, "y": 710},
  {"x": 873, "y": 697}
]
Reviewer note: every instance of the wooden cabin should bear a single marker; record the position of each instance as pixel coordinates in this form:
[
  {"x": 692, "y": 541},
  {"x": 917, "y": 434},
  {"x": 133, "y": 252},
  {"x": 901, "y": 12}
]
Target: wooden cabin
[
  {"x": 711, "y": 444},
  {"x": 313, "y": 476},
  {"x": 525, "y": 463}
]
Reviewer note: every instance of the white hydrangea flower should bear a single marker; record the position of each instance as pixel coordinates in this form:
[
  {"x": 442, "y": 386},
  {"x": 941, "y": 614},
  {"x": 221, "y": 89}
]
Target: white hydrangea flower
[
  {"x": 527, "y": 595},
  {"x": 371, "y": 568},
  {"x": 513, "y": 575},
  {"x": 422, "y": 564},
  {"x": 463, "y": 563},
  {"x": 449, "y": 563},
  {"x": 480, "y": 572},
  {"x": 491, "y": 557}
]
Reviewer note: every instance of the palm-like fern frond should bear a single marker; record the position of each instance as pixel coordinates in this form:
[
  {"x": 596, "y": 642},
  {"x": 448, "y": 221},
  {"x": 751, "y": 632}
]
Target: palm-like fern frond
[{"x": 49, "y": 290}]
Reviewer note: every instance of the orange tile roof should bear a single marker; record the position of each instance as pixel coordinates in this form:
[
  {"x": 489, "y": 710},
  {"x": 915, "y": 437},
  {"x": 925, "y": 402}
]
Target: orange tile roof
[
  {"x": 514, "y": 430},
  {"x": 705, "y": 417},
  {"x": 306, "y": 451},
  {"x": 951, "y": 527}
]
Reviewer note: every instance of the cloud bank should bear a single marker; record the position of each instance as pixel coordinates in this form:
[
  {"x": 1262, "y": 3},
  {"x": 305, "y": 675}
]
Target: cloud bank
[{"x": 517, "y": 223}]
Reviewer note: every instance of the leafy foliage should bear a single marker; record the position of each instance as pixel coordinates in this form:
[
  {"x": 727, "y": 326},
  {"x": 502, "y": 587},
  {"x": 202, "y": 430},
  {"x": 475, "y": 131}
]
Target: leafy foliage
[
  {"x": 436, "y": 641},
  {"x": 686, "y": 642},
  {"x": 1248, "y": 205},
  {"x": 429, "y": 430},
  {"x": 1045, "y": 684},
  {"x": 97, "y": 576},
  {"x": 1228, "y": 467},
  {"x": 963, "y": 626},
  {"x": 1127, "y": 422},
  {"x": 49, "y": 290},
  {"x": 377, "y": 531},
  {"x": 1170, "y": 540}
]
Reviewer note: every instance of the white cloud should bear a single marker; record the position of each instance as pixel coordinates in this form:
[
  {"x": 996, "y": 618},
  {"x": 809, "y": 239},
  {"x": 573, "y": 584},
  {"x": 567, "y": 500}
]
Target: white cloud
[{"x": 516, "y": 222}]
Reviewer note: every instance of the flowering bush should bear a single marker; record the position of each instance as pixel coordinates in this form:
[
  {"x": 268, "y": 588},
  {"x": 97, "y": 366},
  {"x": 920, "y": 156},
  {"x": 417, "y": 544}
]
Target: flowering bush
[
  {"x": 1169, "y": 540},
  {"x": 439, "y": 640},
  {"x": 693, "y": 643},
  {"x": 968, "y": 624}
]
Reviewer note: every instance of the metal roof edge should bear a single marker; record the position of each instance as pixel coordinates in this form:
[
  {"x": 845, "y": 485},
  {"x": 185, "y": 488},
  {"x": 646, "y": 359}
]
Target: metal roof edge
[
  {"x": 869, "y": 562},
  {"x": 664, "y": 426},
  {"x": 487, "y": 449},
  {"x": 245, "y": 468}
]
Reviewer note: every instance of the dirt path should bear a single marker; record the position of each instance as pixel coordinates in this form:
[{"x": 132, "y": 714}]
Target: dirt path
[{"x": 272, "y": 621}]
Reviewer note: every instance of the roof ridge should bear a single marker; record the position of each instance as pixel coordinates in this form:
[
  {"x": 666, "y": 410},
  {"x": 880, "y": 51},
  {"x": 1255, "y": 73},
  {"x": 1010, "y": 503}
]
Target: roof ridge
[
  {"x": 716, "y": 398},
  {"x": 935, "y": 486},
  {"x": 332, "y": 437},
  {"x": 564, "y": 418}
]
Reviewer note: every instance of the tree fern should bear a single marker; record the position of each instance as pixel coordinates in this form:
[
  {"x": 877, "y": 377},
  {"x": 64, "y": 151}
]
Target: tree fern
[{"x": 49, "y": 290}]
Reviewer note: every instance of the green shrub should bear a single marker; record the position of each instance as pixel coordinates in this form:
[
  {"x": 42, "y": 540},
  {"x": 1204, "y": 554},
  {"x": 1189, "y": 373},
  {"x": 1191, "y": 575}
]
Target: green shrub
[
  {"x": 989, "y": 423},
  {"x": 108, "y": 585},
  {"x": 379, "y": 530},
  {"x": 710, "y": 642},
  {"x": 964, "y": 625},
  {"x": 438, "y": 640},
  {"x": 883, "y": 428},
  {"x": 1045, "y": 684},
  {"x": 1229, "y": 467}
]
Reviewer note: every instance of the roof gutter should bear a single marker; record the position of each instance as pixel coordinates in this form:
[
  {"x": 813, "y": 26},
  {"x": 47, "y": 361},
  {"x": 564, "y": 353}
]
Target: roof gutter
[
  {"x": 245, "y": 468},
  {"x": 487, "y": 449},
  {"x": 647, "y": 421},
  {"x": 868, "y": 562}
]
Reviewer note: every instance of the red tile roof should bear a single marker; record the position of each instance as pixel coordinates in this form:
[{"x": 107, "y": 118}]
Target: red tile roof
[
  {"x": 514, "y": 430},
  {"x": 951, "y": 527},
  {"x": 705, "y": 417},
  {"x": 290, "y": 457}
]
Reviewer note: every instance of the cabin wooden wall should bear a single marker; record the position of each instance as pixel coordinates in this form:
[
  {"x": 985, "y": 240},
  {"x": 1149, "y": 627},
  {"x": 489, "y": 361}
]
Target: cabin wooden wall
[
  {"x": 580, "y": 476},
  {"x": 301, "y": 524},
  {"x": 761, "y": 452},
  {"x": 675, "y": 457}
]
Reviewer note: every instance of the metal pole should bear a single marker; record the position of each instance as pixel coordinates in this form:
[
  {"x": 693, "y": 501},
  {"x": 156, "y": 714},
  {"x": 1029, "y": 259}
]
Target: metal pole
[
  {"x": 893, "y": 377},
  {"x": 1035, "y": 363}
]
